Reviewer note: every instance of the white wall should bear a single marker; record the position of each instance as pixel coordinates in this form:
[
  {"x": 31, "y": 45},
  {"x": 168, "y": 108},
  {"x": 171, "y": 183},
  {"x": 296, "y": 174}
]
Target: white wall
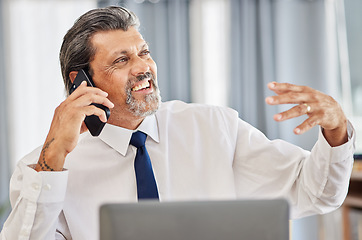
[{"x": 34, "y": 33}]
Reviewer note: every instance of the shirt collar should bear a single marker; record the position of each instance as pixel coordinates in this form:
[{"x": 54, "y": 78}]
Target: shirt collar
[{"x": 118, "y": 138}]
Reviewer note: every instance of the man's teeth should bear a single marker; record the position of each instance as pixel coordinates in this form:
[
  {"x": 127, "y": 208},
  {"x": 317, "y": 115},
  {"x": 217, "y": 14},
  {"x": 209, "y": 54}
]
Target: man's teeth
[{"x": 141, "y": 86}]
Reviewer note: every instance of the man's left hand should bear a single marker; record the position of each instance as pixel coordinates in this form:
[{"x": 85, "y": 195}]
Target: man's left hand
[{"x": 321, "y": 109}]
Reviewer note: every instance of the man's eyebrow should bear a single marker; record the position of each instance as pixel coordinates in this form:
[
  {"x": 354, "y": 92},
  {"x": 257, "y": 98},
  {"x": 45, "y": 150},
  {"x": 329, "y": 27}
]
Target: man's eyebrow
[
  {"x": 145, "y": 45},
  {"x": 119, "y": 52},
  {"x": 122, "y": 52}
]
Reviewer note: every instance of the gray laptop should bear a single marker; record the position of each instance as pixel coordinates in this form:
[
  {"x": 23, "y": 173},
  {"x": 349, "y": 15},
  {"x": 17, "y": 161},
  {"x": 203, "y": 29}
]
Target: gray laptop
[{"x": 219, "y": 220}]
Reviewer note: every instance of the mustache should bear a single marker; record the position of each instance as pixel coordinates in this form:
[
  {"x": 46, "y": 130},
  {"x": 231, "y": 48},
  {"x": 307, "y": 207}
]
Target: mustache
[
  {"x": 144, "y": 76},
  {"x": 133, "y": 80}
]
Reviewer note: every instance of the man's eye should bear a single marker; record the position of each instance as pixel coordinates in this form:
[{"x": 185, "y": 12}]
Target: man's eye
[
  {"x": 145, "y": 52},
  {"x": 121, "y": 60}
]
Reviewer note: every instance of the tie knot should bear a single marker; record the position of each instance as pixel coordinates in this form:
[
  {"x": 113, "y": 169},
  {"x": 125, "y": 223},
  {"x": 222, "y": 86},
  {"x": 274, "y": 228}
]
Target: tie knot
[{"x": 138, "y": 139}]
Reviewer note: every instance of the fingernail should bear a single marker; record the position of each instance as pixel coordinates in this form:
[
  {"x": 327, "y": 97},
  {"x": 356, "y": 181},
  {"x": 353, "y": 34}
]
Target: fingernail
[
  {"x": 278, "y": 117},
  {"x": 269, "y": 100},
  {"x": 272, "y": 85},
  {"x": 297, "y": 130}
]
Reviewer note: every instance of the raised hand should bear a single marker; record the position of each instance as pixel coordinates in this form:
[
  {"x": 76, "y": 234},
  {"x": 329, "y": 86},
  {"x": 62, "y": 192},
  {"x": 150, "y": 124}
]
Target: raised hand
[{"x": 321, "y": 109}]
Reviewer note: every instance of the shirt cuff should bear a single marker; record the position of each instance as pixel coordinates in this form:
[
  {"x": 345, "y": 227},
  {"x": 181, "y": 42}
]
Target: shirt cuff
[
  {"x": 339, "y": 153},
  {"x": 44, "y": 186}
]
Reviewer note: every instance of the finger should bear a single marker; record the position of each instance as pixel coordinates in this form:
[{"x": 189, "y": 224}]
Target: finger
[
  {"x": 308, "y": 124},
  {"x": 83, "y": 128},
  {"x": 93, "y": 110},
  {"x": 88, "y": 99},
  {"x": 84, "y": 89},
  {"x": 291, "y": 98},
  {"x": 280, "y": 88},
  {"x": 294, "y": 112}
]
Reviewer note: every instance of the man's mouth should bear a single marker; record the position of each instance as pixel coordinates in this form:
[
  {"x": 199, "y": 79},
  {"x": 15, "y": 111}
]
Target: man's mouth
[{"x": 141, "y": 86}]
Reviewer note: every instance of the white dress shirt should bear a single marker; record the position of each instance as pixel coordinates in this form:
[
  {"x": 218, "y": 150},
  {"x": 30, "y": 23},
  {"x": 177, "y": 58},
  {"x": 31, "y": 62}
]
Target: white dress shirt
[{"x": 198, "y": 152}]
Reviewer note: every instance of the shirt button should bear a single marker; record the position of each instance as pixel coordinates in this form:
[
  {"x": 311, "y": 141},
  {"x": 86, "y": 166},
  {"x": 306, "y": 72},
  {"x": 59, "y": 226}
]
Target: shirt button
[
  {"x": 47, "y": 187},
  {"x": 35, "y": 186}
]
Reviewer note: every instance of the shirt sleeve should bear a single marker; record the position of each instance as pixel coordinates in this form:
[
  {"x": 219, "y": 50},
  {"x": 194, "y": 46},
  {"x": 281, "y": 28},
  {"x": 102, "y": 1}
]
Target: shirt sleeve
[
  {"x": 313, "y": 182},
  {"x": 37, "y": 200}
]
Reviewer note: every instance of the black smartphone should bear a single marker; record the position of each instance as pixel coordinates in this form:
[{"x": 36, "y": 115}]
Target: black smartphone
[{"x": 93, "y": 123}]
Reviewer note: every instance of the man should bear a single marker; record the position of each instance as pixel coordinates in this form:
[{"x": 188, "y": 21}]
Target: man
[{"x": 197, "y": 152}]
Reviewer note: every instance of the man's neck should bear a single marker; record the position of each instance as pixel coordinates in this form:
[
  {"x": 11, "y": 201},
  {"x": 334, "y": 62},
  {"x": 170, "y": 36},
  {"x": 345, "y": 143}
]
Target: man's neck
[{"x": 128, "y": 122}]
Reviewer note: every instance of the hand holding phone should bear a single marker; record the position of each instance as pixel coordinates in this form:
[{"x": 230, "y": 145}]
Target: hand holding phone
[{"x": 93, "y": 123}]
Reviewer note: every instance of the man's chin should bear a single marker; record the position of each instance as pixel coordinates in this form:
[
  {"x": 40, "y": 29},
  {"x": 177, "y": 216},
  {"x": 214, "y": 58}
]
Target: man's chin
[
  {"x": 143, "y": 109},
  {"x": 145, "y": 105}
]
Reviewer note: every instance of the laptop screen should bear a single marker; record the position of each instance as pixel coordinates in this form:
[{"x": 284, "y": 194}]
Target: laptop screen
[{"x": 221, "y": 220}]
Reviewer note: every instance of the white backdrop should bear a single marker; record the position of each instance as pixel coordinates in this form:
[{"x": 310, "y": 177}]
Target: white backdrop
[{"x": 34, "y": 33}]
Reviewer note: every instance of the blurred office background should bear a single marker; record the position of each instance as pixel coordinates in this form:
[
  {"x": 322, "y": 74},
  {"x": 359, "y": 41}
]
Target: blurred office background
[{"x": 220, "y": 52}]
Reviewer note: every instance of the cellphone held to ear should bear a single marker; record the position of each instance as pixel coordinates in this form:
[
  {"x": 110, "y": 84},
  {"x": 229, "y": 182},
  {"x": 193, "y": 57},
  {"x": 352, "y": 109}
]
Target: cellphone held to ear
[{"x": 93, "y": 123}]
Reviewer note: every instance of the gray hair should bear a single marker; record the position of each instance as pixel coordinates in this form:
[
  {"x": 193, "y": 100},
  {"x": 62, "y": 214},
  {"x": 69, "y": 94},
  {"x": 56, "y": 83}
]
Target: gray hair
[{"x": 77, "y": 51}]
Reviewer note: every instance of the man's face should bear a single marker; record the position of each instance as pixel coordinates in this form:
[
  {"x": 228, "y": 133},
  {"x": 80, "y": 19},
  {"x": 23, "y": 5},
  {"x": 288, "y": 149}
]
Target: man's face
[{"x": 122, "y": 67}]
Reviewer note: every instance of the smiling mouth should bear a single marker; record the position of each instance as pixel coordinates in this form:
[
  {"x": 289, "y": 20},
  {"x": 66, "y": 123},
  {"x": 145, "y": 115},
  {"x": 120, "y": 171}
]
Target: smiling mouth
[{"x": 141, "y": 86}]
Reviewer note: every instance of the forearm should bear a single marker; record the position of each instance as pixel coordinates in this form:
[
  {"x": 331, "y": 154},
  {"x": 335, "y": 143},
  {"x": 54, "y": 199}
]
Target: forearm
[
  {"x": 32, "y": 220},
  {"x": 323, "y": 183},
  {"x": 314, "y": 182},
  {"x": 36, "y": 199},
  {"x": 51, "y": 157}
]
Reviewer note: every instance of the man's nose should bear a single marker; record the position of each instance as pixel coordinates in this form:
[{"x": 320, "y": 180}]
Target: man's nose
[{"x": 139, "y": 66}]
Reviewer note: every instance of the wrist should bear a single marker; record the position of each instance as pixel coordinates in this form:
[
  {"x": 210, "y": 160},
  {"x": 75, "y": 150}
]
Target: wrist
[
  {"x": 338, "y": 136},
  {"x": 51, "y": 157}
]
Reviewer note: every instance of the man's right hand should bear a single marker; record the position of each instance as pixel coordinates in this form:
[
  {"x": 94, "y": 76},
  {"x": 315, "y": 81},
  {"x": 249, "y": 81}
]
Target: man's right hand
[{"x": 68, "y": 124}]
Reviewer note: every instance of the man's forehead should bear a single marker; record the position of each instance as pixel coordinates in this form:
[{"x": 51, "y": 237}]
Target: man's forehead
[
  {"x": 141, "y": 46},
  {"x": 119, "y": 40}
]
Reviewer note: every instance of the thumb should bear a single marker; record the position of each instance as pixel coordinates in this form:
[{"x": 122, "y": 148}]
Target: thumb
[{"x": 83, "y": 128}]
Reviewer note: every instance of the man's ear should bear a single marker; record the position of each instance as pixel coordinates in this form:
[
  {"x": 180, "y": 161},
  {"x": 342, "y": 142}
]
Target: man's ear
[{"x": 72, "y": 75}]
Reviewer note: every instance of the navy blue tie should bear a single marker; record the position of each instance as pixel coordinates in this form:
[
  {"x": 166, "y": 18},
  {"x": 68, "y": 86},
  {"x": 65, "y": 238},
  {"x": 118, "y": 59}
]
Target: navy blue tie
[{"x": 146, "y": 184}]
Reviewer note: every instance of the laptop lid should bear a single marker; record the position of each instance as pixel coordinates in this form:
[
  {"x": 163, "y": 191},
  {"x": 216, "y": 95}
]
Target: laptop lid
[{"x": 219, "y": 220}]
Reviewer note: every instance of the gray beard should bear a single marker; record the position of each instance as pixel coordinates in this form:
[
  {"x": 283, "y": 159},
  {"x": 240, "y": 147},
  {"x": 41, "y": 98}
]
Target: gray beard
[{"x": 147, "y": 106}]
